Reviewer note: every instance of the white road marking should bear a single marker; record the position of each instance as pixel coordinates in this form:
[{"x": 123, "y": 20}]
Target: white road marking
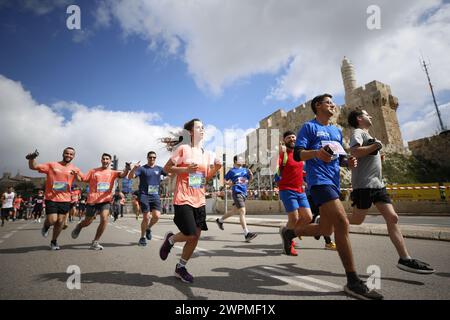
[
  {"x": 307, "y": 278},
  {"x": 291, "y": 281}
]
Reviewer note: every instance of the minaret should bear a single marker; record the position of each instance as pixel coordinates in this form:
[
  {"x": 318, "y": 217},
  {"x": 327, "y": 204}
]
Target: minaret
[{"x": 348, "y": 76}]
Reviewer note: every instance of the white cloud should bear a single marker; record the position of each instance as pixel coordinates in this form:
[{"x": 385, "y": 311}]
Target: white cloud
[
  {"x": 26, "y": 125},
  {"x": 301, "y": 43},
  {"x": 427, "y": 123}
]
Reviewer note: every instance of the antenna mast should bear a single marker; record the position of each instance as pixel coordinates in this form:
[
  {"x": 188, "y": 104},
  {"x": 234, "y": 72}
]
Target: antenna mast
[{"x": 432, "y": 93}]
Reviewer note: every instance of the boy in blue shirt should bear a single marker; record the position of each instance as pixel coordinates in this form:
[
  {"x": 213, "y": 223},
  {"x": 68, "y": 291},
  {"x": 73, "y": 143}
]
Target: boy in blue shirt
[{"x": 238, "y": 177}]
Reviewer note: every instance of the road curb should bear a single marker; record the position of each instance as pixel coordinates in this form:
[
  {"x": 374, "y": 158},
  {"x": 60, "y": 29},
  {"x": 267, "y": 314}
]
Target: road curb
[{"x": 408, "y": 231}]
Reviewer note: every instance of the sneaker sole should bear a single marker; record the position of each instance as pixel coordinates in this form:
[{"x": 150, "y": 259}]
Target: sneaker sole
[
  {"x": 408, "y": 269},
  {"x": 96, "y": 249},
  {"x": 181, "y": 278},
  {"x": 250, "y": 239},
  {"x": 164, "y": 241},
  {"x": 356, "y": 295}
]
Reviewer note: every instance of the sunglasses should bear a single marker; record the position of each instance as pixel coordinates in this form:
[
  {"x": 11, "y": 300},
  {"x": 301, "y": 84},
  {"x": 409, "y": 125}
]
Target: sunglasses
[{"x": 151, "y": 157}]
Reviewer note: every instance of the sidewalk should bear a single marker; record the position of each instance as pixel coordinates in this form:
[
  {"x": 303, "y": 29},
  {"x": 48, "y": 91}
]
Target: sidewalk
[{"x": 408, "y": 231}]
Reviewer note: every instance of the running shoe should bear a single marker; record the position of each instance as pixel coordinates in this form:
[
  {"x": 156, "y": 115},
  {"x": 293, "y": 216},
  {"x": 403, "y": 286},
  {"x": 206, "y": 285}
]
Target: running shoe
[
  {"x": 287, "y": 236},
  {"x": 182, "y": 274},
  {"x": 250, "y": 236},
  {"x": 54, "y": 245},
  {"x": 330, "y": 246},
  {"x": 415, "y": 266},
  {"x": 293, "y": 252},
  {"x": 96, "y": 246},
  {"x": 76, "y": 231},
  {"x": 142, "y": 242},
  {"x": 219, "y": 224},
  {"x": 359, "y": 290},
  {"x": 44, "y": 231},
  {"x": 148, "y": 234},
  {"x": 166, "y": 246}
]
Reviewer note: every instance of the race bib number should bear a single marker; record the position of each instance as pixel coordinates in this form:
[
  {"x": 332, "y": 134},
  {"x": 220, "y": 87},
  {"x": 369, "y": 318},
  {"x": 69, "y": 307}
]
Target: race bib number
[
  {"x": 59, "y": 186},
  {"x": 153, "y": 189},
  {"x": 196, "y": 180},
  {"x": 336, "y": 147},
  {"x": 242, "y": 180},
  {"x": 102, "y": 187}
]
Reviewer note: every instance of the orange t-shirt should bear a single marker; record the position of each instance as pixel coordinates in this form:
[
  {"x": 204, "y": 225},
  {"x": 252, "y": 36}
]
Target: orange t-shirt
[
  {"x": 59, "y": 181},
  {"x": 190, "y": 187},
  {"x": 75, "y": 195},
  {"x": 101, "y": 184},
  {"x": 17, "y": 203}
]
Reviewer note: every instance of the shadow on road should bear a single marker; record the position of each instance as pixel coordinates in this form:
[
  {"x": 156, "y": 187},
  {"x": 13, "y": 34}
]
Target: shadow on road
[{"x": 79, "y": 246}]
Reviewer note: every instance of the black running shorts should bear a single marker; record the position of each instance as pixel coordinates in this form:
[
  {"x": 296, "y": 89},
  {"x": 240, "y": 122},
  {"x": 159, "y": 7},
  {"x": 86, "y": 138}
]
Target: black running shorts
[
  {"x": 188, "y": 219},
  {"x": 93, "y": 209},
  {"x": 363, "y": 198},
  {"x": 52, "y": 207}
]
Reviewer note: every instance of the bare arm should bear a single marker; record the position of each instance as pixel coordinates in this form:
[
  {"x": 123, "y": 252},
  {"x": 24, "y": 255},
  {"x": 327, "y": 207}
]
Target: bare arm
[
  {"x": 131, "y": 175},
  {"x": 170, "y": 167},
  {"x": 213, "y": 172},
  {"x": 359, "y": 151}
]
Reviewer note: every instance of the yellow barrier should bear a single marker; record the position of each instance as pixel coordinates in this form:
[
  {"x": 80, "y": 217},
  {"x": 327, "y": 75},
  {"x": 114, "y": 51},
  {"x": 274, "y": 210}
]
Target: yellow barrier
[
  {"x": 447, "y": 191},
  {"x": 423, "y": 191}
]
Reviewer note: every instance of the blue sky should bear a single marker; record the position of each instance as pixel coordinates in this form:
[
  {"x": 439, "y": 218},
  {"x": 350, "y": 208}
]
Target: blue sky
[
  {"x": 157, "y": 64},
  {"x": 120, "y": 73}
]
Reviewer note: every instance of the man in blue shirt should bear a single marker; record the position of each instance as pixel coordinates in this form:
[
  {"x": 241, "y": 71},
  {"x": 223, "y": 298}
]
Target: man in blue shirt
[
  {"x": 320, "y": 144},
  {"x": 238, "y": 177},
  {"x": 149, "y": 182}
]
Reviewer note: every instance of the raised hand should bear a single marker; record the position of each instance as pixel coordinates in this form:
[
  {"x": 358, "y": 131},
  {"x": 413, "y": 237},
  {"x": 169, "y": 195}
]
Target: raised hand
[{"x": 32, "y": 156}]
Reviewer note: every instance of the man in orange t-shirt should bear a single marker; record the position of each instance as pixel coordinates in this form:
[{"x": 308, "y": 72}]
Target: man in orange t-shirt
[
  {"x": 60, "y": 176},
  {"x": 101, "y": 185}
]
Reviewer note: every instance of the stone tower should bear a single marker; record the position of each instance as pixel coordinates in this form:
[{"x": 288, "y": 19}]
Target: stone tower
[
  {"x": 377, "y": 99},
  {"x": 348, "y": 76}
]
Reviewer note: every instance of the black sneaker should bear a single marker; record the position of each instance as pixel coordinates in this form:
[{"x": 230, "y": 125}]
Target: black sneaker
[
  {"x": 359, "y": 290},
  {"x": 286, "y": 236},
  {"x": 250, "y": 236},
  {"x": 44, "y": 231},
  {"x": 166, "y": 246},
  {"x": 415, "y": 266},
  {"x": 54, "y": 245},
  {"x": 142, "y": 242},
  {"x": 148, "y": 234},
  {"x": 182, "y": 274},
  {"x": 219, "y": 224}
]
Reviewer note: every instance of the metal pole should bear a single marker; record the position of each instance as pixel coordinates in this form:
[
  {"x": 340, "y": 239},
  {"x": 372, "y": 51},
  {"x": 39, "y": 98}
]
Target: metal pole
[{"x": 432, "y": 93}]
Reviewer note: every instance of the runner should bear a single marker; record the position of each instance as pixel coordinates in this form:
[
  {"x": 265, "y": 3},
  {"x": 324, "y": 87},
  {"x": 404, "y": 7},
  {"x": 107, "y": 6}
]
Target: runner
[
  {"x": 149, "y": 200},
  {"x": 193, "y": 167},
  {"x": 101, "y": 184},
  {"x": 238, "y": 177},
  {"x": 135, "y": 203},
  {"x": 18, "y": 207},
  {"x": 290, "y": 184},
  {"x": 116, "y": 200},
  {"x": 38, "y": 206},
  {"x": 60, "y": 176},
  {"x": 368, "y": 188},
  {"x": 320, "y": 144},
  {"x": 82, "y": 206},
  {"x": 7, "y": 204}
]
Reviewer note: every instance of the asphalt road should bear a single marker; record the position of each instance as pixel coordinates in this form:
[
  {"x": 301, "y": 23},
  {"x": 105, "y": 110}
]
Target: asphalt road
[{"x": 224, "y": 266}]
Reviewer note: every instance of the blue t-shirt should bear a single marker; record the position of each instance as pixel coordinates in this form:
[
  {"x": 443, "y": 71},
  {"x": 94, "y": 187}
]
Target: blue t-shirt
[
  {"x": 313, "y": 136},
  {"x": 149, "y": 180},
  {"x": 239, "y": 177}
]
